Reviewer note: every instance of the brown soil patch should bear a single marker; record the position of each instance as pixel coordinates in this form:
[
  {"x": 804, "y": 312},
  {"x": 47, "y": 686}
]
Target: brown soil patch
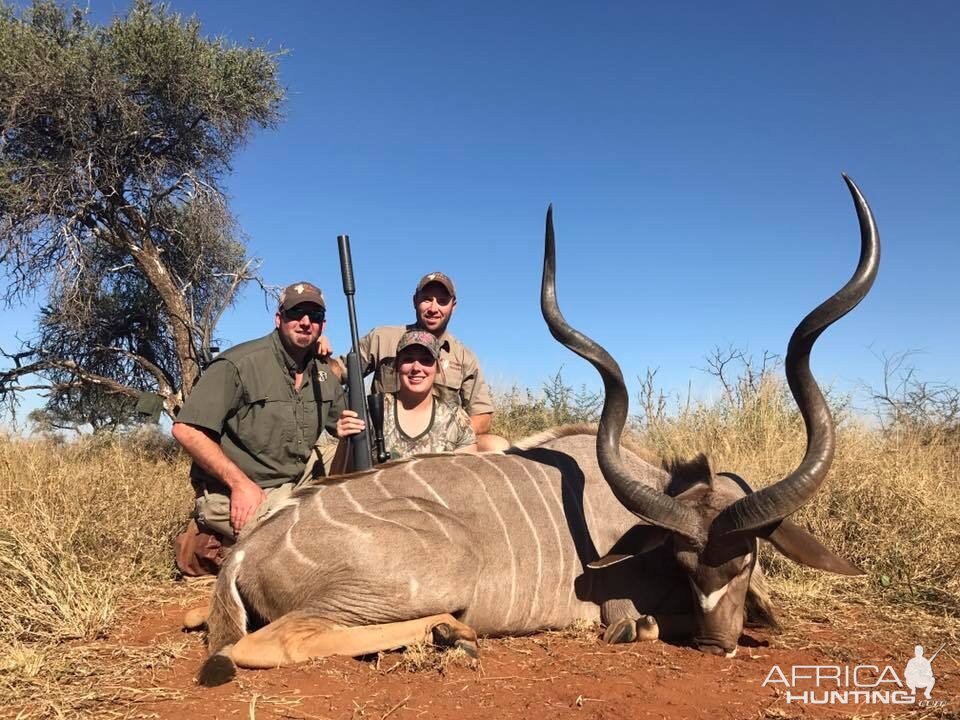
[{"x": 564, "y": 674}]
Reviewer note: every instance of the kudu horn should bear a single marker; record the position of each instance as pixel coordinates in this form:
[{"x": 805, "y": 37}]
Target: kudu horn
[
  {"x": 646, "y": 503},
  {"x": 771, "y": 504}
]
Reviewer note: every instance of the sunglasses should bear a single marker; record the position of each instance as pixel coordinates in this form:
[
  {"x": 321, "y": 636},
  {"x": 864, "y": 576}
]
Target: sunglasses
[
  {"x": 294, "y": 313},
  {"x": 441, "y": 300},
  {"x": 425, "y": 359}
]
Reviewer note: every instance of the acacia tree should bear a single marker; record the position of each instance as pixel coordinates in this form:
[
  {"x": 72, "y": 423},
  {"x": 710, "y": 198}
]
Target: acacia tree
[{"x": 114, "y": 142}]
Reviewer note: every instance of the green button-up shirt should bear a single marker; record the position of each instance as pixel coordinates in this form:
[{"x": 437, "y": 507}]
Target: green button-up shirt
[{"x": 266, "y": 426}]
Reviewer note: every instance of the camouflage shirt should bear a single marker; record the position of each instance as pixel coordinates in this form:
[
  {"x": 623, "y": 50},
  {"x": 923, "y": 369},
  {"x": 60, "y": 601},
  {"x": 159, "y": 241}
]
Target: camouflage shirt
[
  {"x": 459, "y": 379},
  {"x": 449, "y": 430}
]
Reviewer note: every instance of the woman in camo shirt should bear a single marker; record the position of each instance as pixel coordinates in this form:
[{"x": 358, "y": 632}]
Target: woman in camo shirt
[{"x": 415, "y": 421}]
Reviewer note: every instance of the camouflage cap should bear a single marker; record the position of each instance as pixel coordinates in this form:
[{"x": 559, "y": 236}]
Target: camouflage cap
[
  {"x": 419, "y": 337},
  {"x": 301, "y": 292},
  {"x": 437, "y": 277}
]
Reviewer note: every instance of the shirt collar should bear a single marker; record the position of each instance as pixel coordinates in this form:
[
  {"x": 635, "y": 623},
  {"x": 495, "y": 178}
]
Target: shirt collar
[
  {"x": 286, "y": 360},
  {"x": 444, "y": 339}
]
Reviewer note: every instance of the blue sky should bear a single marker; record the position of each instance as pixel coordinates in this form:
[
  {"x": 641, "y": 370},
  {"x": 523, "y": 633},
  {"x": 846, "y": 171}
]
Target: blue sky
[{"x": 692, "y": 151}]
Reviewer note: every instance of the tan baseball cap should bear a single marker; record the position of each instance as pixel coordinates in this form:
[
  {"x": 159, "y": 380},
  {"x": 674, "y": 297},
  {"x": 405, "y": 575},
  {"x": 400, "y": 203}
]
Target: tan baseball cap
[
  {"x": 437, "y": 277},
  {"x": 419, "y": 337},
  {"x": 301, "y": 292}
]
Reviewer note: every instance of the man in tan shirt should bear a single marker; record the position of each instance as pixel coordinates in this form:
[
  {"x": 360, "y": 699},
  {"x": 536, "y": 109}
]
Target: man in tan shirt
[{"x": 459, "y": 379}]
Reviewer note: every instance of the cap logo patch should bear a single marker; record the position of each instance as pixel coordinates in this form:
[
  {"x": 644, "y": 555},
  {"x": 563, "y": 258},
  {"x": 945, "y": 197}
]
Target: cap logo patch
[{"x": 299, "y": 289}]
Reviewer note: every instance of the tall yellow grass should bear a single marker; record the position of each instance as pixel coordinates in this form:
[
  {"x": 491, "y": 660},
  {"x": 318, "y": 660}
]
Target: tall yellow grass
[
  {"x": 83, "y": 524},
  {"x": 80, "y": 524},
  {"x": 891, "y": 503}
]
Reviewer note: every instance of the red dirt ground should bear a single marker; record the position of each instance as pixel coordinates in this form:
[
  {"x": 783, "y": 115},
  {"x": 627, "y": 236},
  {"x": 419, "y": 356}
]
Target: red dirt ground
[{"x": 544, "y": 676}]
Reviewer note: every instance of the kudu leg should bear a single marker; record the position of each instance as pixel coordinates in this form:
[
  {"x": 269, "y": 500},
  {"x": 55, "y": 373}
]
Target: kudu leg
[
  {"x": 624, "y": 624},
  {"x": 301, "y": 635},
  {"x": 196, "y": 617}
]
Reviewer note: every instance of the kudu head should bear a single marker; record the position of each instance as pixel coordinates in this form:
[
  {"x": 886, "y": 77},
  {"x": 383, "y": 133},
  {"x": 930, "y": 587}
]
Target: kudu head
[{"x": 714, "y": 521}]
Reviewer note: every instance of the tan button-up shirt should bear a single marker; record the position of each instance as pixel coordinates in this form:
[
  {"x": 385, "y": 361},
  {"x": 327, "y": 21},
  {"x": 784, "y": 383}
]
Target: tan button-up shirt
[{"x": 458, "y": 375}]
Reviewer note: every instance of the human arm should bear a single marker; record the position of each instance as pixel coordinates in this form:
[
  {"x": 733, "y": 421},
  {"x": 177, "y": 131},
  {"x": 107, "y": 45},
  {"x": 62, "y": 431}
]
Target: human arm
[
  {"x": 203, "y": 445},
  {"x": 365, "y": 357},
  {"x": 198, "y": 428},
  {"x": 338, "y": 366},
  {"x": 475, "y": 396},
  {"x": 481, "y": 423}
]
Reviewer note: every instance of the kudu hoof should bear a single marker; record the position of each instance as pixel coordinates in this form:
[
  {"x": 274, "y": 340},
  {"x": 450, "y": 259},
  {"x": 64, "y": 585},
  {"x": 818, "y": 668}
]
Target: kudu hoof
[
  {"x": 622, "y": 631},
  {"x": 196, "y": 618},
  {"x": 217, "y": 670},
  {"x": 627, "y": 630},
  {"x": 446, "y": 636}
]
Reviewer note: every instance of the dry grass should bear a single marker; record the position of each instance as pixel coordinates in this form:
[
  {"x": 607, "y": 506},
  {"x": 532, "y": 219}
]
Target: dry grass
[
  {"x": 85, "y": 680},
  {"x": 83, "y": 525},
  {"x": 891, "y": 503},
  {"x": 85, "y": 522},
  {"x": 421, "y": 658}
]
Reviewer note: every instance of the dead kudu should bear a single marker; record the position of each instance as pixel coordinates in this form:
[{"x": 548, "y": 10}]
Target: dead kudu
[{"x": 570, "y": 525}]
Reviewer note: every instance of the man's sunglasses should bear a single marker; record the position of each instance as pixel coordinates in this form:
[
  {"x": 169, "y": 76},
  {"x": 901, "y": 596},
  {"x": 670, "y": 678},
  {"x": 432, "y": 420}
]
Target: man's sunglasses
[
  {"x": 441, "y": 300},
  {"x": 297, "y": 313}
]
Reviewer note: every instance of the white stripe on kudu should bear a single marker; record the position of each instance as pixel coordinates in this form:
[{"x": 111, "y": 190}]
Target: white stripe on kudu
[
  {"x": 562, "y": 581},
  {"x": 423, "y": 482},
  {"x": 553, "y": 521},
  {"x": 535, "y": 602},
  {"x": 437, "y": 521},
  {"x": 708, "y": 602},
  {"x": 506, "y": 537},
  {"x": 288, "y": 541},
  {"x": 347, "y": 527},
  {"x": 360, "y": 509}
]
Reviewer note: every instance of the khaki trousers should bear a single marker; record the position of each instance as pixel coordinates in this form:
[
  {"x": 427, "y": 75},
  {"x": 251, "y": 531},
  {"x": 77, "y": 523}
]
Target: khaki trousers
[{"x": 212, "y": 510}]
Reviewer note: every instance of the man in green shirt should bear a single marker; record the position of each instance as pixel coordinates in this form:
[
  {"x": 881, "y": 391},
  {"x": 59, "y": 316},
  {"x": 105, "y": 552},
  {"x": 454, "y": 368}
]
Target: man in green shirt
[{"x": 254, "y": 417}]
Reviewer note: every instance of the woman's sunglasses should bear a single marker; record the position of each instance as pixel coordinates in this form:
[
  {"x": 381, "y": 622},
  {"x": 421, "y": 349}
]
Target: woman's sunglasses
[
  {"x": 294, "y": 313},
  {"x": 425, "y": 359}
]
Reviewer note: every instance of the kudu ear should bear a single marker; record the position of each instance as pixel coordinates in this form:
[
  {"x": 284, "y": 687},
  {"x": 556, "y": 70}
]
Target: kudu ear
[
  {"x": 635, "y": 541},
  {"x": 802, "y": 547}
]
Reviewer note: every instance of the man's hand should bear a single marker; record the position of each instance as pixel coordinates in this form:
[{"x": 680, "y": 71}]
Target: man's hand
[
  {"x": 349, "y": 423},
  {"x": 245, "y": 497},
  {"x": 324, "y": 348}
]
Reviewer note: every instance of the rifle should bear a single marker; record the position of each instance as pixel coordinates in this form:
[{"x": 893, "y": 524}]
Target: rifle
[
  {"x": 934, "y": 656},
  {"x": 373, "y": 419},
  {"x": 360, "y": 443}
]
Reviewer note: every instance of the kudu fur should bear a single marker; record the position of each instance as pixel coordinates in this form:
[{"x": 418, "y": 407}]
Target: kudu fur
[{"x": 570, "y": 525}]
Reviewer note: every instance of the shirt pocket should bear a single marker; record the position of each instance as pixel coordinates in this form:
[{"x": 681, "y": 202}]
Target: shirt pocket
[
  {"x": 449, "y": 381},
  {"x": 385, "y": 379},
  {"x": 266, "y": 425}
]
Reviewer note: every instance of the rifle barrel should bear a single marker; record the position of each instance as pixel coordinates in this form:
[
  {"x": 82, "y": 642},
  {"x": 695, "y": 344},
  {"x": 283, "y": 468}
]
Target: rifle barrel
[{"x": 360, "y": 443}]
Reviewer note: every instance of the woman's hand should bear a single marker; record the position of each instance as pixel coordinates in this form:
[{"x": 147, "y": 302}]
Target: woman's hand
[{"x": 349, "y": 423}]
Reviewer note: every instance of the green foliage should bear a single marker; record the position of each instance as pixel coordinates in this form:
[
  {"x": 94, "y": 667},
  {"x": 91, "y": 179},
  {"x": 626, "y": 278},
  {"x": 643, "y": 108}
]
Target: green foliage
[
  {"x": 113, "y": 143},
  {"x": 521, "y": 413}
]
